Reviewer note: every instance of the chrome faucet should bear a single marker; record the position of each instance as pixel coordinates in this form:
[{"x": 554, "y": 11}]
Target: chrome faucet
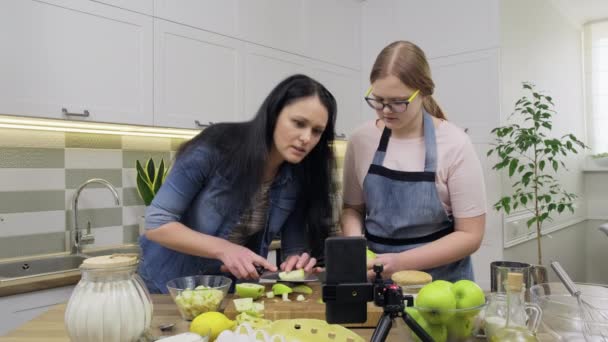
[
  {"x": 604, "y": 228},
  {"x": 78, "y": 237}
]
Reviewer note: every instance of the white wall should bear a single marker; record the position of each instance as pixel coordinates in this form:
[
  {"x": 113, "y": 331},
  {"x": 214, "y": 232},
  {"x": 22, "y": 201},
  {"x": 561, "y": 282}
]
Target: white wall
[
  {"x": 461, "y": 40},
  {"x": 541, "y": 46}
]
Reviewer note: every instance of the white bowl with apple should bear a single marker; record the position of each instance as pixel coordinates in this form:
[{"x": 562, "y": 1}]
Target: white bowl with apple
[{"x": 449, "y": 311}]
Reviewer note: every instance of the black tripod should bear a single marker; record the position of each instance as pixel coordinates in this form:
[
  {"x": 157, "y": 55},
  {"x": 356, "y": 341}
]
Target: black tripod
[{"x": 390, "y": 297}]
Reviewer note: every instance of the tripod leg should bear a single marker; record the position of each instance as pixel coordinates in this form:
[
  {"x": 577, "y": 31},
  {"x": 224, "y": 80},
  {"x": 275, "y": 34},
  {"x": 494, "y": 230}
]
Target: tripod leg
[
  {"x": 416, "y": 328},
  {"x": 382, "y": 329}
]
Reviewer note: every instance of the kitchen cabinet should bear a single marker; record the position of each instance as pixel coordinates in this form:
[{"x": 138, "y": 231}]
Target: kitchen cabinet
[
  {"x": 140, "y": 6},
  {"x": 276, "y": 24},
  {"x": 333, "y": 30},
  {"x": 18, "y": 309},
  {"x": 64, "y": 57},
  {"x": 345, "y": 85},
  {"x": 198, "y": 76},
  {"x": 264, "y": 69},
  {"x": 218, "y": 16}
]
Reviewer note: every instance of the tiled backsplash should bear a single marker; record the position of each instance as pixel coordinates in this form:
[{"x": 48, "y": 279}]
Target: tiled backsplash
[{"x": 40, "y": 171}]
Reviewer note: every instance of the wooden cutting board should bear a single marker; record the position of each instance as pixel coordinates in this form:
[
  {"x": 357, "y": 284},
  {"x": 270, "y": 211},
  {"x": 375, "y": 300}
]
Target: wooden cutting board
[{"x": 276, "y": 308}]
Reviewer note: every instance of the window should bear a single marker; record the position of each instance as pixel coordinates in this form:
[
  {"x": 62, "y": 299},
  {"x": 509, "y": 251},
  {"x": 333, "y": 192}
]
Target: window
[{"x": 596, "y": 82}]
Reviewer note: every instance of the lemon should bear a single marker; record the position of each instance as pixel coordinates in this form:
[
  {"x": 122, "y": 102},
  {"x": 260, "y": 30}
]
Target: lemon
[{"x": 211, "y": 323}]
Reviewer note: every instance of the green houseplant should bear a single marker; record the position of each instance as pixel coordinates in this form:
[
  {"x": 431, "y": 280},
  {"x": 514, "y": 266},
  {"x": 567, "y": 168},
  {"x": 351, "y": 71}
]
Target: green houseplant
[
  {"x": 150, "y": 178},
  {"x": 532, "y": 158}
]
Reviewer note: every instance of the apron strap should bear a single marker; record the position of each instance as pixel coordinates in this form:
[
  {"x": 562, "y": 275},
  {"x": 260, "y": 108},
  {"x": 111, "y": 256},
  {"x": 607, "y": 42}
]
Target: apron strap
[
  {"x": 409, "y": 241},
  {"x": 430, "y": 144}
]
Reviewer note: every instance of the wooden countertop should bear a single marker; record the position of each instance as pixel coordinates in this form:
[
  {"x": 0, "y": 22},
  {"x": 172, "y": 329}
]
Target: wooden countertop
[{"x": 49, "y": 326}]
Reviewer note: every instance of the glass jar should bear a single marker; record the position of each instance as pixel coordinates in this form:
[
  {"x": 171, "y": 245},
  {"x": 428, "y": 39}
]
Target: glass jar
[
  {"x": 110, "y": 303},
  {"x": 506, "y": 316}
]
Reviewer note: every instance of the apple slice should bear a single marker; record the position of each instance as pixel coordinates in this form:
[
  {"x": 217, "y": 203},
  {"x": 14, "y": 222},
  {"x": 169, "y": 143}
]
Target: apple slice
[
  {"x": 249, "y": 290},
  {"x": 295, "y": 275}
]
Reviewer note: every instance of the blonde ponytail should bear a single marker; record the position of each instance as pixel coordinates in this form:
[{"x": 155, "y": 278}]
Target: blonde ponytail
[{"x": 432, "y": 107}]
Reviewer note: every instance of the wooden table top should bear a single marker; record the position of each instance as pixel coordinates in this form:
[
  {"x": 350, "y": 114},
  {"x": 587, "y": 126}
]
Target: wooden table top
[{"x": 49, "y": 326}]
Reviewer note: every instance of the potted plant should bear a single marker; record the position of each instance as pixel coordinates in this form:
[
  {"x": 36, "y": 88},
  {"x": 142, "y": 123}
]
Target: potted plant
[
  {"x": 149, "y": 179},
  {"x": 532, "y": 158}
]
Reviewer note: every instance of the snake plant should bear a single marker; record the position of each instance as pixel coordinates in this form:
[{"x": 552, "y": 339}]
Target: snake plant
[{"x": 149, "y": 179}]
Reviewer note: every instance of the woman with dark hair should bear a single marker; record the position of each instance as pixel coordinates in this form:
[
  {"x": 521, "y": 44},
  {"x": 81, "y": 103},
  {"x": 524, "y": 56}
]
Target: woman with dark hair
[
  {"x": 413, "y": 184},
  {"x": 236, "y": 186}
]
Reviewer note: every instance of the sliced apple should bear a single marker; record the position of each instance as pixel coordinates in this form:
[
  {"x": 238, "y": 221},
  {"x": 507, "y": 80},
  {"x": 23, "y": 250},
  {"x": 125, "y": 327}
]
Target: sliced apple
[
  {"x": 295, "y": 275},
  {"x": 302, "y": 289},
  {"x": 249, "y": 290}
]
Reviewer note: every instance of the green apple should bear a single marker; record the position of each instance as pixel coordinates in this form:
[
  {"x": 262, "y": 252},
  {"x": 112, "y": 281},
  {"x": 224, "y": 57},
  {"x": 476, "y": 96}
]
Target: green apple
[
  {"x": 249, "y": 290},
  {"x": 295, "y": 275},
  {"x": 414, "y": 314},
  {"x": 369, "y": 255},
  {"x": 438, "y": 332},
  {"x": 280, "y": 289},
  {"x": 460, "y": 328},
  {"x": 302, "y": 289},
  {"x": 444, "y": 283},
  {"x": 436, "y": 302},
  {"x": 468, "y": 295}
]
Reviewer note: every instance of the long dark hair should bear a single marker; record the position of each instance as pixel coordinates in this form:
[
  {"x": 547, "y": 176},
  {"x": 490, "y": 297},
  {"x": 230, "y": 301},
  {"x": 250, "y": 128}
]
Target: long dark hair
[{"x": 244, "y": 147}]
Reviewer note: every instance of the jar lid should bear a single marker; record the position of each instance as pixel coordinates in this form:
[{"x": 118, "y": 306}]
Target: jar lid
[
  {"x": 411, "y": 277},
  {"x": 110, "y": 261}
]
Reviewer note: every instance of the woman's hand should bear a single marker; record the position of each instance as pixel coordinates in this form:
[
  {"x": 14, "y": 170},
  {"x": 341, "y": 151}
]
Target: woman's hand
[
  {"x": 241, "y": 262},
  {"x": 304, "y": 261},
  {"x": 391, "y": 263}
]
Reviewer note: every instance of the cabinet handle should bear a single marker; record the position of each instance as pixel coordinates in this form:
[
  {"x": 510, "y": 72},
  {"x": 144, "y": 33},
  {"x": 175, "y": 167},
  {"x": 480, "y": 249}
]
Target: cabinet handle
[
  {"x": 466, "y": 130},
  {"x": 341, "y": 135},
  {"x": 84, "y": 114},
  {"x": 200, "y": 125}
]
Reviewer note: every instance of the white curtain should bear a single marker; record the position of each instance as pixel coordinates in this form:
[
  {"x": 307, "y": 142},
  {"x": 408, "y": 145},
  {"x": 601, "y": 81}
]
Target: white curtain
[{"x": 596, "y": 82}]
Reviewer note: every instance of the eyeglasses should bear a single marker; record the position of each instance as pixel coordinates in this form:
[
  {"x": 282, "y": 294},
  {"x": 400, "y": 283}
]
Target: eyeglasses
[{"x": 394, "y": 106}]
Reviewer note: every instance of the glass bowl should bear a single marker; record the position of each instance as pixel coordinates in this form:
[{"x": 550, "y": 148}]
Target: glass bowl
[
  {"x": 194, "y": 295},
  {"x": 562, "y": 315},
  {"x": 460, "y": 324}
]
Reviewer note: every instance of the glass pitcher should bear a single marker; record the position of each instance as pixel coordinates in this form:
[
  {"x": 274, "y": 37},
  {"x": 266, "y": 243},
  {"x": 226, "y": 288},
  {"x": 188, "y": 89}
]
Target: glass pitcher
[
  {"x": 110, "y": 302},
  {"x": 508, "y": 317}
]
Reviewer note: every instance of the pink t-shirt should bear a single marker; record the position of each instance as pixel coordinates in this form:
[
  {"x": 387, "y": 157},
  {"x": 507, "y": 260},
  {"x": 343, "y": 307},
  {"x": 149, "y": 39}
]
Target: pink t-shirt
[{"x": 459, "y": 178}]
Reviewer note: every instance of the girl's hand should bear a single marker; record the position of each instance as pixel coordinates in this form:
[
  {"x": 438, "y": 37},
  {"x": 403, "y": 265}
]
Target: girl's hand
[
  {"x": 299, "y": 261},
  {"x": 391, "y": 263},
  {"x": 241, "y": 262}
]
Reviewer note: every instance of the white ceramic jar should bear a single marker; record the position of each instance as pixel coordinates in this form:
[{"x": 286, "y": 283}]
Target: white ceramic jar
[{"x": 110, "y": 303}]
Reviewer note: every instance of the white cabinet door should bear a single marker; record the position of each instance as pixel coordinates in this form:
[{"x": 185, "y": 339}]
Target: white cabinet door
[
  {"x": 218, "y": 16},
  {"x": 197, "y": 76},
  {"x": 140, "y": 6},
  {"x": 345, "y": 85},
  {"x": 264, "y": 69},
  {"x": 77, "y": 55},
  {"x": 272, "y": 23},
  {"x": 333, "y": 31}
]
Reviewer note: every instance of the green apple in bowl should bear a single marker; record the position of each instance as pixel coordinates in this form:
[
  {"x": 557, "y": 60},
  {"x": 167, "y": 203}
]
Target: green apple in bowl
[
  {"x": 468, "y": 295},
  {"x": 437, "y": 332},
  {"x": 460, "y": 328},
  {"x": 369, "y": 255},
  {"x": 436, "y": 302}
]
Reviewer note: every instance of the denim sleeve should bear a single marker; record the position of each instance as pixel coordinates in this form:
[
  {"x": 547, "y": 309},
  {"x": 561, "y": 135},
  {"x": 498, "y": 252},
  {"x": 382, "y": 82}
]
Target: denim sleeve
[
  {"x": 187, "y": 177},
  {"x": 293, "y": 235}
]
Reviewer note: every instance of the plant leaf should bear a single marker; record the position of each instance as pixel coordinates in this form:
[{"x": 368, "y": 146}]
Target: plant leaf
[
  {"x": 144, "y": 190},
  {"x": 159, "y": 176},
  {"x": 151, "y": 169}
]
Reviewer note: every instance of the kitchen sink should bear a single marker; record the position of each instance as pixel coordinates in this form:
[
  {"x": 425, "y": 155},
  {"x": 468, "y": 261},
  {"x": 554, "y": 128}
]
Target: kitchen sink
[{"x": 41, "y": 266}]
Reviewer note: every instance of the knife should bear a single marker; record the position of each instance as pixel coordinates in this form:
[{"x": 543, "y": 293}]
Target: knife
[{"x": 267, "y": 276}]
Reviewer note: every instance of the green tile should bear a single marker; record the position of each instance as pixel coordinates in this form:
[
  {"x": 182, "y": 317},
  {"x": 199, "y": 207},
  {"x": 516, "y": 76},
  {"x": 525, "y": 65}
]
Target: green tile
[
  {"x": 31, "y": 201},
  {"x": 25, "y": 157},
  {"x": 75, "y": 177},
  {"x": 25, "y": 245},
  {"x": 129, "y": 157},
  {"x": 101, "y": 217},
  {"x": 130, "y": 197},
  {"x": 176, "y": 143},
  {"x": 130, "y": 233},
  {"x": 86, "y": 140}
]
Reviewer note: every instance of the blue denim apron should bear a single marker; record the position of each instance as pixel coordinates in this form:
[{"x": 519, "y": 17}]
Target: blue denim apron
[{"x": 403, "y": 209}]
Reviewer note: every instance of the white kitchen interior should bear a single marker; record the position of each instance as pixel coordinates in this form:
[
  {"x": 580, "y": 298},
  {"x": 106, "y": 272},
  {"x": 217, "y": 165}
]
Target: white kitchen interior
[{"x": 145, "y": 75}]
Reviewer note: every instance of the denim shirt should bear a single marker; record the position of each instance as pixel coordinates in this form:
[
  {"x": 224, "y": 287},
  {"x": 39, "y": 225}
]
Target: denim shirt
[{"x": 197, "y": 195}]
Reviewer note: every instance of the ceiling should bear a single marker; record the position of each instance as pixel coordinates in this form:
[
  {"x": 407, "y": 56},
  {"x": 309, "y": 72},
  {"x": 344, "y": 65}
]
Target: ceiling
[{"x": 583, "y": 11}]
